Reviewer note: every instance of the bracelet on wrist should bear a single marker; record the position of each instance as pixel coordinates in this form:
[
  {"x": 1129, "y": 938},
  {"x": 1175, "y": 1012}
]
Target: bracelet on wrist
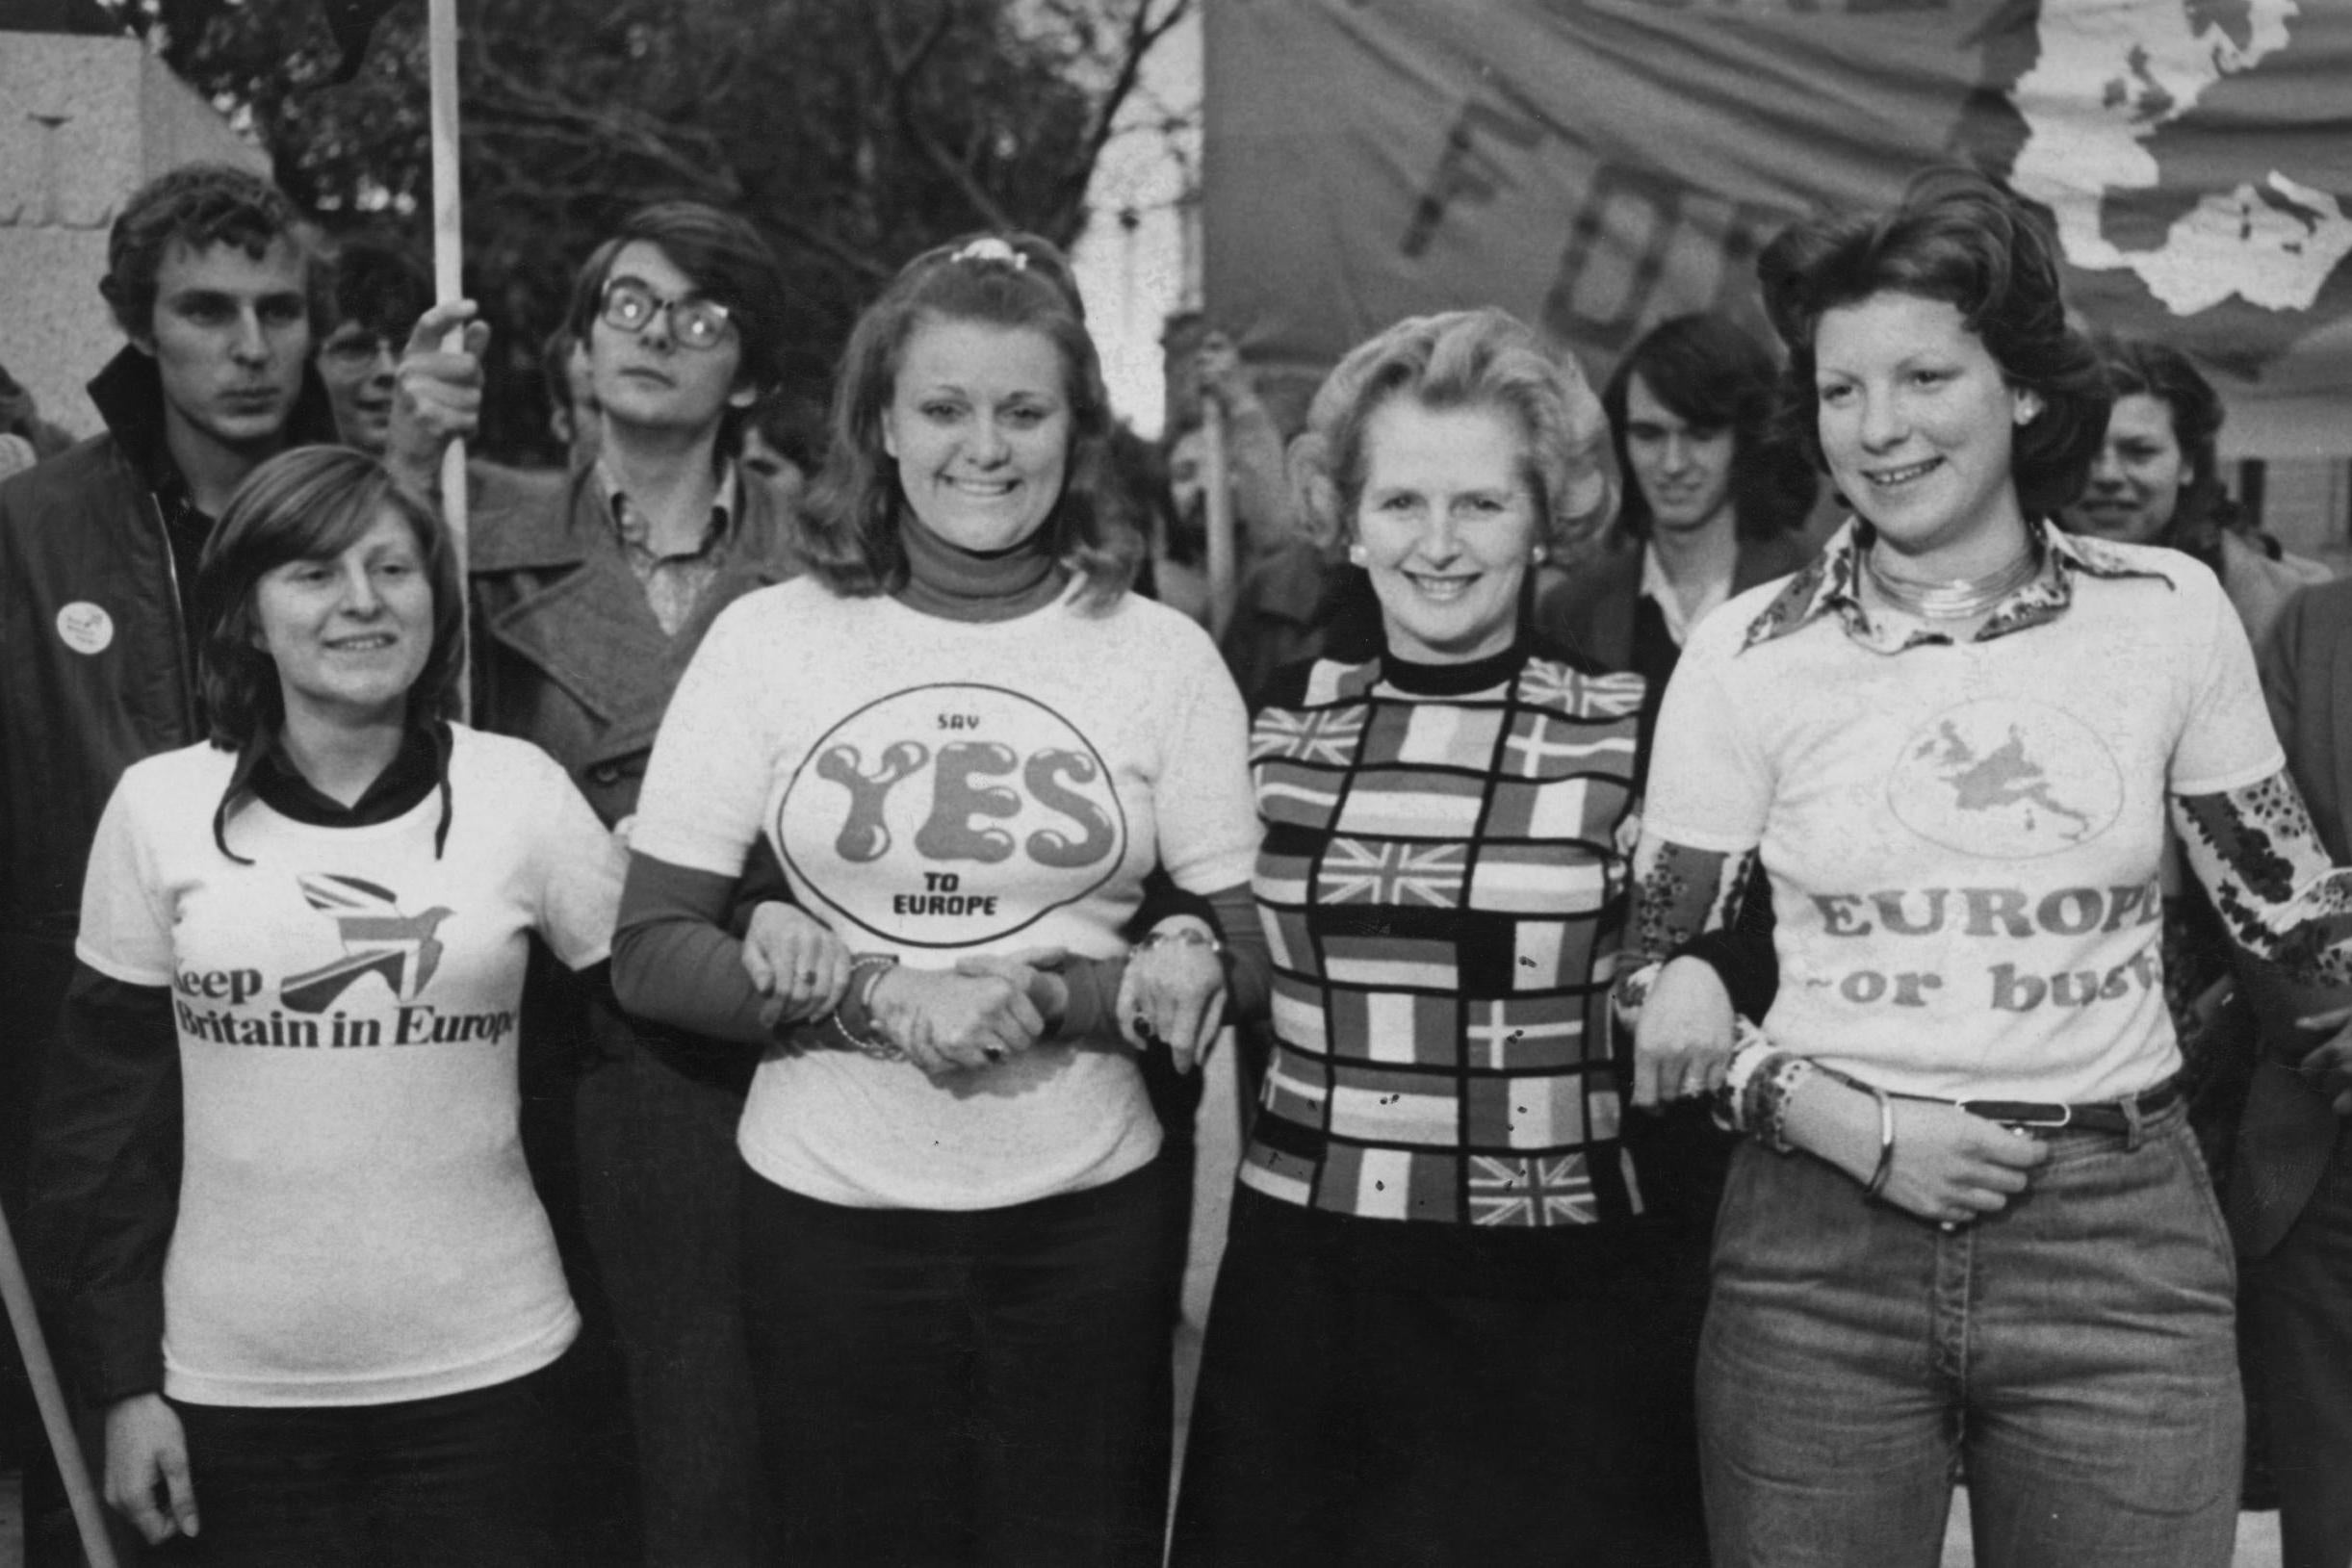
[
  {"x": 1886, "y": 1143},
  {"x": 866, "y": 971}
]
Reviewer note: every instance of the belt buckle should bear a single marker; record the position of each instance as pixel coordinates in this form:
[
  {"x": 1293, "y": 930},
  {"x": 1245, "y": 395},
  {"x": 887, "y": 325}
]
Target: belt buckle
[{"x": 2064, "y": 1118}]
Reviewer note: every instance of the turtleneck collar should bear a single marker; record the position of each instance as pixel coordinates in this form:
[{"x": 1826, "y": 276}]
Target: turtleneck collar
[
  {"x": 959, "y": 584},
  {"x": 1454, "y": 679}
]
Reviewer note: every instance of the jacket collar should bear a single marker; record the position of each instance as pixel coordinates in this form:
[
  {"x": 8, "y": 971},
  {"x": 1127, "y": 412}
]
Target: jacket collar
[
  {"x": 1829, "y": 587},
  {"x": 550, "y": 521},
  {"x": 128, "y": 393}
]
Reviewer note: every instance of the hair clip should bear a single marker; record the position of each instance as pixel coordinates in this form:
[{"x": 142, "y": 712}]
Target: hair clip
[{"x": 990, "y": 248}]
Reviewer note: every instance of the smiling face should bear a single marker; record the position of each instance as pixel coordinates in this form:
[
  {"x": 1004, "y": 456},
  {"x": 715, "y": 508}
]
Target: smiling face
[
  {"x": 1684, "y": 469},
  {"x": 1447, "y": 527},
  {"x": 230, "y": 335},
  {"x": 1917, "y": 421},
  {"x": 350, "y": 634},
  {"x": 979, "y": 423},
  {"x": 2137, "y": 477},
  {"x": 647, "y": 379}
]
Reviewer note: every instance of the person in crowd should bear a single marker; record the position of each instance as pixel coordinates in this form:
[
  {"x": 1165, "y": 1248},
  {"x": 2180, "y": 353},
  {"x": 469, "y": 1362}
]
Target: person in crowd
[
  {"x": 25, "y": 437},
  {"x": 1715, "y": 507},
  {"x": 1444, "y": 1329},
  {"x": 1969, "y": 1227},
  {"x": 380, "y": 291},
  {"x": 967, "y": 743},
  {"x": 591, "y": 593},
  {"x": 572, "y": 414},
  {"x": 279, "y": 1199},
  {"x": 1206, "y": 373},
  {"x": 2290, "y": 1197},
  {"x": 2156, "y": 481},
  {"x": 211, "y": 280}
]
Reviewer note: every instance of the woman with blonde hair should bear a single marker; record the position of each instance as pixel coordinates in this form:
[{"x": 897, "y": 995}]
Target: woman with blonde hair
[
  {"x": 1444, "y": 1329},
  {"x": 967, "y": 743}
]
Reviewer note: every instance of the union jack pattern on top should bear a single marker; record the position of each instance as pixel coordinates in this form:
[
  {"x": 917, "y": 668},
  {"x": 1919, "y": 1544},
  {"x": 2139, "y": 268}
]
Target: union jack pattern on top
[{"x": 1443, "y": 886}]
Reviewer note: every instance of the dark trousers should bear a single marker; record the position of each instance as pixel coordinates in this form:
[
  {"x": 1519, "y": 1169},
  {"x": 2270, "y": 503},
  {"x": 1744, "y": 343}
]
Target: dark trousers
[
  {"x": 422, "y": 1483},
  {"x": 2297, "y": 1302},
  {"x": 659, "y": 1178},
  {"x": 982, "y": 1388}
]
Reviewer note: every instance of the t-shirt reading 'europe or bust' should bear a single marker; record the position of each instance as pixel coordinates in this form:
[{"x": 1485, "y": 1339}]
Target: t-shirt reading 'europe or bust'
[
  {"x": 937, "y": 787},
  {"x": 1963, "y": 841},
  {"x": 357, "y": 1224}
]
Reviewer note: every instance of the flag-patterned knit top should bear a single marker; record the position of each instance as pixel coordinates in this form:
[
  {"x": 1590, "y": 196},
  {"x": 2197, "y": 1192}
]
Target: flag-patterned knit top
[{"x": 1443, "y": 879}]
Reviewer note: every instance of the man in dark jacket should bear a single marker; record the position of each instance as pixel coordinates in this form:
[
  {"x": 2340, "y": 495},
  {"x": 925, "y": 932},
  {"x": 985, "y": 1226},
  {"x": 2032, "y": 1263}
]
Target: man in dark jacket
[
  {"x": 590, "y": 593},
  {"x": 210, "y": 278}
]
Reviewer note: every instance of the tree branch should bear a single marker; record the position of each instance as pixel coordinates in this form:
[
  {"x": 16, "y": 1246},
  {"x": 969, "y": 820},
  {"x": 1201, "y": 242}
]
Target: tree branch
[{"x": 902, "y": 73}]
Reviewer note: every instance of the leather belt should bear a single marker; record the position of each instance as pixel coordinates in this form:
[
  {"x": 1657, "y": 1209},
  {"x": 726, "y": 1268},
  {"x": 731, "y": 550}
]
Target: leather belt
[{"x": 2106, "y": 1116}]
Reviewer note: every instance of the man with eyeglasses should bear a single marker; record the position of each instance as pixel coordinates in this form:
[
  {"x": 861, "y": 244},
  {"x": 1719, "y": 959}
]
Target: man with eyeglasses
[
  {"x": 589, "y": 597},
  {"x": 380, "y": 290}
]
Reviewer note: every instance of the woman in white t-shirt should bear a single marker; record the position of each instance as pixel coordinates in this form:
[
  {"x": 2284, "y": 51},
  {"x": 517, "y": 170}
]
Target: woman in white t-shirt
[
  {"x": 966, "y": 742},
  {"x": 279, "y": 1194},
  {"x": 1969, "y": 1229}
]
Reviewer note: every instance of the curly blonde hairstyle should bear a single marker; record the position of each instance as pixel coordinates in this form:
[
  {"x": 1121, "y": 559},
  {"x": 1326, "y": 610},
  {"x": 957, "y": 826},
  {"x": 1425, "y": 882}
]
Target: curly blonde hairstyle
[{"x": 1461, "y": 359}]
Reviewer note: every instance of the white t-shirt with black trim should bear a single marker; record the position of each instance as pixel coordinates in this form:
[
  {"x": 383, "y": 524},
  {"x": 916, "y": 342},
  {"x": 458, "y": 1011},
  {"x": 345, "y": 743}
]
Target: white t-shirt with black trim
[{"x": 355, "y": 1225}]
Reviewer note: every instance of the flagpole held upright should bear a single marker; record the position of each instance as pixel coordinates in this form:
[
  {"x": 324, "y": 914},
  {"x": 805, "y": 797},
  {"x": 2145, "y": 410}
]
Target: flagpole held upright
[{"x": 449, "y": 261}]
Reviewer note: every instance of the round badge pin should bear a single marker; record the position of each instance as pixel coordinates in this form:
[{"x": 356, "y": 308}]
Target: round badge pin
[{"x": 86, "y": 628}]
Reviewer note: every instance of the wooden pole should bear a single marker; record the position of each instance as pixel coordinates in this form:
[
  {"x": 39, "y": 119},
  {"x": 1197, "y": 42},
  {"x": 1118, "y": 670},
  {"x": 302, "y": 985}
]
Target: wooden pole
[
  {"x": 1217, "y": 493},
  {"x": 449, "y": 274},
  {"x": 17, "y": 1294}
]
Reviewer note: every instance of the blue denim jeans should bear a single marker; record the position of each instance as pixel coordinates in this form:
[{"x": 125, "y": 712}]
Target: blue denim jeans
[{"x": 2074, "y": 1353}]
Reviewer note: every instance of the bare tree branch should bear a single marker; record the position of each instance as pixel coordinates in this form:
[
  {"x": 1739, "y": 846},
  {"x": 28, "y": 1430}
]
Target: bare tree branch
[{"x": 903, "y": 69}]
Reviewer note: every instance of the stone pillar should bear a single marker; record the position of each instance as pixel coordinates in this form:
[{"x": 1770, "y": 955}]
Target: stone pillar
[{"x": 84, "y": 122}]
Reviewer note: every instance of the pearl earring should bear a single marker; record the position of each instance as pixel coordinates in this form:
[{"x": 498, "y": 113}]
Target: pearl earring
[
  {"x": 1358, "y": 555},
  {"x": 1538, "y": 555}
]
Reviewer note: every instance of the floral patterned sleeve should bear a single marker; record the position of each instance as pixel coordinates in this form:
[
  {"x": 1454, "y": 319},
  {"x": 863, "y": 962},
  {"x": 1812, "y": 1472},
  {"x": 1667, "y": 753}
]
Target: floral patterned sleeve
[
  {"x": 1682, "y": 895},
  {"x": 2259, "y": 858}
]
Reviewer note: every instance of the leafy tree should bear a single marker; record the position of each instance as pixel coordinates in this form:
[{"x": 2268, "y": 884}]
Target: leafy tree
[{"x": 853, "y": 132}]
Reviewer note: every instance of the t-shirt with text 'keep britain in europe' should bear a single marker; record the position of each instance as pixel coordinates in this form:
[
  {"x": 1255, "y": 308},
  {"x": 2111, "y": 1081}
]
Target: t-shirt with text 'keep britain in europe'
[{"x": 355, "y": 1224}]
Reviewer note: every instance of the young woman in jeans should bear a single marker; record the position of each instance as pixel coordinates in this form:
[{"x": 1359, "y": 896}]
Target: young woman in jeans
[{"x": 1970, "y": 1224}]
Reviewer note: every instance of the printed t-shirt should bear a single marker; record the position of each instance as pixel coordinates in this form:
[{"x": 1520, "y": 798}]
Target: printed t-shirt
[
  {"x": 935, "y": 789},
  {"x": 355, "y": 1224},
  {"x": 1963, "y": 841}
]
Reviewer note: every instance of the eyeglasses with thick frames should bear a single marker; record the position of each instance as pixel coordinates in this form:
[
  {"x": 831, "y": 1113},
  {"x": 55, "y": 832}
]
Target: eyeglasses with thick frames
[
  {"x": 353, "y": 346},
  {"x": 629, "y": 306}
]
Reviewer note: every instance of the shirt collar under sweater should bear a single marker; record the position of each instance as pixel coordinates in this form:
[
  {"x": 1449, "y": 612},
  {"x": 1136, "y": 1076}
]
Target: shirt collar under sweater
[{"x": 958, "y": 584}]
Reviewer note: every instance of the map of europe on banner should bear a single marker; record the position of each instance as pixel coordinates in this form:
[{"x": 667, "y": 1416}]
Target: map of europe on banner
[{"x": 1596, "y": 166}]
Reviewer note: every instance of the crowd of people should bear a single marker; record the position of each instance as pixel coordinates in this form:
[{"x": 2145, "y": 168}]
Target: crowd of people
[{"x": 644, "y": 1034}]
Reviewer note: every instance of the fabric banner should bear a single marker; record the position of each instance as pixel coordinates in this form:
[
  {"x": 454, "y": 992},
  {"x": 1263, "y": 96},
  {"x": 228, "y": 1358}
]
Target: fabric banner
[{"x": 1596, "y": 166}]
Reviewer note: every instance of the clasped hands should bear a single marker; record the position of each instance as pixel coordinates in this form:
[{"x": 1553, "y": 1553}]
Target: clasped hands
[
  {"x": 1945, "y": 1165},
  {"x": 987, "y": 1009}
]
